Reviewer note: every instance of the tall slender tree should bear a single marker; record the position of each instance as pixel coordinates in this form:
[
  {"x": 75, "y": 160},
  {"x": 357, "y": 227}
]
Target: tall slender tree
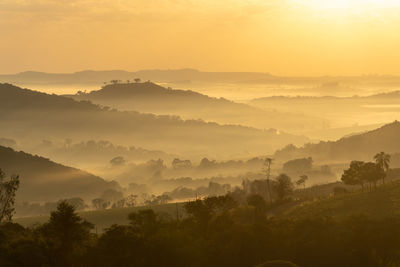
[
  {"x": 383, "y": 161},
  {"x": 8, "y": 188},
  {"x": 267, "y": 170}
]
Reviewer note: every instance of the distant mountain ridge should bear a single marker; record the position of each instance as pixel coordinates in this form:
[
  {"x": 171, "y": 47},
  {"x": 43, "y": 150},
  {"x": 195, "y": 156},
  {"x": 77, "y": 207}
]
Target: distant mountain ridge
[
  {"x": 90, "y": 76},
  {"x": 98, "y": 77},
  {"x": 390, "y": 94},
  {"x": 43, "y": 180},
  {"x": 346, "y": 115}
]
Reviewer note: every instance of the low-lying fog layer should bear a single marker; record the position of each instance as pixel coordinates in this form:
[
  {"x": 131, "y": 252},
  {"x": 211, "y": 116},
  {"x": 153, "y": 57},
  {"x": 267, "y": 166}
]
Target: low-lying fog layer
[{"x": 144, "y": 142}]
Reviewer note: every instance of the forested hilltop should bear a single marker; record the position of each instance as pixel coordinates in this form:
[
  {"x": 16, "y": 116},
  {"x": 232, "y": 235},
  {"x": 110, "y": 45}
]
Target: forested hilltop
[{"x": 153, "y": 98}]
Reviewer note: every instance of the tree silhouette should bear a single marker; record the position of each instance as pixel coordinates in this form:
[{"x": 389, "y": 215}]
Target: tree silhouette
[
  {"x": 8, "y": 189},
  {"x": 99, "y": 203},
  {"x": 267, "y": 170},
  {"x": 66, "y": 235},
  {"x": 353, "y": 175},
  {"x": 361, "y": 172},
  {"x": 283, "y": 186},
  {"x": 258, "y": 203},
  {"x": 371, "y": 172},
  {"x": 302, "y": 181},
  {"x": 137, "y": 80},
  {"x": 383, "y": 160}
]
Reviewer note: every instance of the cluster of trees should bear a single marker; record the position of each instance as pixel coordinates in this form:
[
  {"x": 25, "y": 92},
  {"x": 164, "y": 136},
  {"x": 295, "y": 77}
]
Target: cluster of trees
[
  {"x": 216, "y": 231},
  {"x": 213, "y": 189},
  {"x": 302, "y": 165},
  {"x": 137, "y": 80},
  {"x": 207, "y": 164},
  {"x": 361, "y": 173},
  {"x": 95, "y": 152},
  {"x": 154, "y": 170},
  {"x": 278, "y": 189},
  {"x": 110, "y": 198},
  {"x": 114, "y": 199}
]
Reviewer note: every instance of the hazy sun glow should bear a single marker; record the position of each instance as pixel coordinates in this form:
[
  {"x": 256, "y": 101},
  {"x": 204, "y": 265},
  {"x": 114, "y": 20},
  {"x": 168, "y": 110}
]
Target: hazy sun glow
[
  {"x": 351, "y": 5},
  {"x": 298, "y": 37}
]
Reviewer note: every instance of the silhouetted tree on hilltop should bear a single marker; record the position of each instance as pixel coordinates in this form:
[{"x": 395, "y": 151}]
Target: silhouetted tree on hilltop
[{"x": 361, "y": 172}]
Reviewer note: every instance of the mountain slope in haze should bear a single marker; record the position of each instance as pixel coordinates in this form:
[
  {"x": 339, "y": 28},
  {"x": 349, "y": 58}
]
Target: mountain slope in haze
[
  {"x": 324, "y": 103},
  {"x": 356, "y": 147},
  {"x": 31, "y": 115},
  {"x": 345, "y": 114},
  {"x": 153, "y": 98},
  {"x": 95, "y": 153},
  {"x": 44, "y": 180}
]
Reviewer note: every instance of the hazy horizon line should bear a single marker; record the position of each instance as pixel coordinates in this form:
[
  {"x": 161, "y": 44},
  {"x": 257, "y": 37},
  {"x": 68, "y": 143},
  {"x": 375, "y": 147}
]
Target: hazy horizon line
[{"x": 205, "y": 71}]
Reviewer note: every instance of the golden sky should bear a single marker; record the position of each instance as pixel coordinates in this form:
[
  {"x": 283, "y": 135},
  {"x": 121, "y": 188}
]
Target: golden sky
[{"x": 283, "y": 37}]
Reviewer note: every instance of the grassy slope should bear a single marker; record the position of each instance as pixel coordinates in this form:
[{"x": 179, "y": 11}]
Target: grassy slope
[{"x": 381, "y": 203}]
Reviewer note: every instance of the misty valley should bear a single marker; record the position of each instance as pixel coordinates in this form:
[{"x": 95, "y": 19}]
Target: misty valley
[{"x": 135, "y": 168}]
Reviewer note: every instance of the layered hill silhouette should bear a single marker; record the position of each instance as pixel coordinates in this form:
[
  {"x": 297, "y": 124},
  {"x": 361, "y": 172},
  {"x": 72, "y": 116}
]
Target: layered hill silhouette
[
  {"x": 32, "y": 115},
  {"x": 153, "y": 98},
  {"x": 89, "y": 76},
  {"x": 356, "y": 147},
  {"x": 44, "y": 180},
  {"x": 388, "y": 97},
  {"x": 345, "y": 114}
]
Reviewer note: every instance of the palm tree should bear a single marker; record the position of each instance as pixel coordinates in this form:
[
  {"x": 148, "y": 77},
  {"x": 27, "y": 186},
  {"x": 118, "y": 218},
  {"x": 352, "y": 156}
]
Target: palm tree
[{"x": 383, "y": 160}]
